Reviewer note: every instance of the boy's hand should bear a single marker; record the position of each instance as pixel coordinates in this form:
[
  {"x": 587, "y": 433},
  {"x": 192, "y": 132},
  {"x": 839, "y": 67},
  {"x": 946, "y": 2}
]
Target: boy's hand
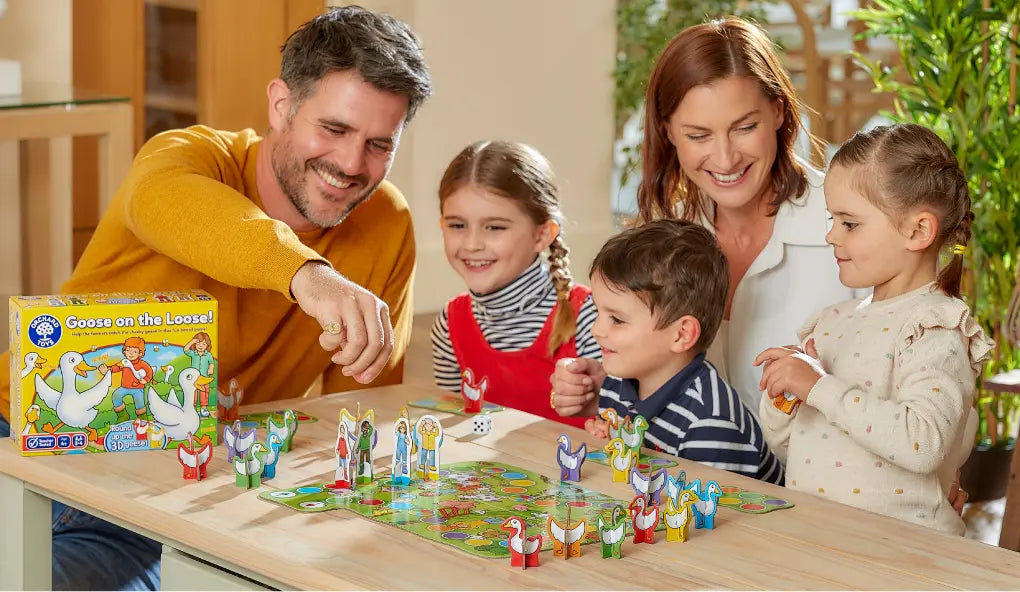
[
  {"x": 597, "y": 427},
  {"x": 575, "y": 384},
  {"x": 789, "y": 370}
]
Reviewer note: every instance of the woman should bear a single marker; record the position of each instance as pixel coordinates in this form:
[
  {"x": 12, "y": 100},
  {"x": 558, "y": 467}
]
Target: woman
[{"x": 721, "y": 119}]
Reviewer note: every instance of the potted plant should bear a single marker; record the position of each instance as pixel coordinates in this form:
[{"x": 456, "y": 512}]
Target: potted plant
[{"x": 958, "y": 77}]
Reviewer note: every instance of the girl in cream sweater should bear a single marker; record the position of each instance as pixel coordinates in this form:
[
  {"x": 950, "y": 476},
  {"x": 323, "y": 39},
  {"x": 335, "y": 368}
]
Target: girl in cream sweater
[{"x": 873, "y": 411}]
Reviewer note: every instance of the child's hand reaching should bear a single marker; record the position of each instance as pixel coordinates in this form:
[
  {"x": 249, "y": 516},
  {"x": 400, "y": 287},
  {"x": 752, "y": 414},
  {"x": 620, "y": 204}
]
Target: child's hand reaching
[
  {"x": 789, "y": 370},
  {"x": 597, "y": 427},
  {"x": 575, "y": 385}
]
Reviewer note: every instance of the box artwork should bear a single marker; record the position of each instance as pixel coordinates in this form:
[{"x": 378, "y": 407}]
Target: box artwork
[{"x": 112, "y": 372}]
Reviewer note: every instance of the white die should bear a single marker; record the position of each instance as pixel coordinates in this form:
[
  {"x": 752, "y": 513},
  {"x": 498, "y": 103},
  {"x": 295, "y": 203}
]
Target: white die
[{"x": 481, "y": 424}]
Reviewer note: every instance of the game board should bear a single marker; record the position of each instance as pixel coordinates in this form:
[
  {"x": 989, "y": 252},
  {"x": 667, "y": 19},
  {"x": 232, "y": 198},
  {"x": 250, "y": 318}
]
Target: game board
[
  {"x": 258, "y": 420},
  {"x": 646, "y": 461},
  {"x": 465, "y": 508},
  {"x": 453, "y": 404},
  {"x": 742, "y": 500}
]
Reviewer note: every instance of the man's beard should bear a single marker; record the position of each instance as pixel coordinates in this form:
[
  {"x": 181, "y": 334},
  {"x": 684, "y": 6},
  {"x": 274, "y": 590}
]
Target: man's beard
[{"x": 290, "y": 176}]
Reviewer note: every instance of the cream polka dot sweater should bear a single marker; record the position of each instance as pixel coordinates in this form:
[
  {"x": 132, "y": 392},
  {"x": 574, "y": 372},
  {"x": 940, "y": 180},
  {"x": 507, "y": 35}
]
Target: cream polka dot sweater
[{"x": 883, "y": 430}]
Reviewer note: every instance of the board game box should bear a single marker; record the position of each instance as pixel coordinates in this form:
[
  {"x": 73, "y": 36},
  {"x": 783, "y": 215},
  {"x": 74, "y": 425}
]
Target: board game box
[{"x": 112, "y": 372}]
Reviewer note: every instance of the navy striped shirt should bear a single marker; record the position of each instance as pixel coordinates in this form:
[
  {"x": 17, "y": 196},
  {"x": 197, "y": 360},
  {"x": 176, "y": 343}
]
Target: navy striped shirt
[
  {"x": 510, "y": 319},
  {"x": 697, "y": 416}
]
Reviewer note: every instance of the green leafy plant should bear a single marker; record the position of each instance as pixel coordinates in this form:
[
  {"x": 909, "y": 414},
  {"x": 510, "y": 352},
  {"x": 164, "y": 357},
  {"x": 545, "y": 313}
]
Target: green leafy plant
[
  {"x": 644, "y": 27},
  {"x": 958, "y": 77}
]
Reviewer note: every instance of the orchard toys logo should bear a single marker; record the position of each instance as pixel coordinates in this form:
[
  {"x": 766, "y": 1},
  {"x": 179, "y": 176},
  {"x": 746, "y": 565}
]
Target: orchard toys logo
[{"x": 44, "y": 331}]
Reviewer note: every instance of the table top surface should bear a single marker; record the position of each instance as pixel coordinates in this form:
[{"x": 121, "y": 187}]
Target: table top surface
[{"x": 817, "y": 544}]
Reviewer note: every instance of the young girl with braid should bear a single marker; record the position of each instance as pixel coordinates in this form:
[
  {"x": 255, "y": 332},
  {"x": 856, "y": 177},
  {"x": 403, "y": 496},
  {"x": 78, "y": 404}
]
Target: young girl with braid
[
  {"x": 873, "y": 411},
  {"x": 499, "y": 212}
]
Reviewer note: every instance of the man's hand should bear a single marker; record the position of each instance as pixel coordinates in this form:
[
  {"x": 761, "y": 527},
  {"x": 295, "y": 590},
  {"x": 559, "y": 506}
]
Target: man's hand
[
  {"x": 352, "y": 319},
  {"x": 575, "y": 386}
]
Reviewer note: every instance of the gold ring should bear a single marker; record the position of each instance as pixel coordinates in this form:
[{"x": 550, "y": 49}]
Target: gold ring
[
  {"x": 552, "y": 402},
  {"x": 332, "y": 327}
]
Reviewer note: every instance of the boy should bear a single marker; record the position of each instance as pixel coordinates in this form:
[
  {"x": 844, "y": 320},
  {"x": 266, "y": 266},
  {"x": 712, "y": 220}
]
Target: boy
[
  {"x": 660, "y": 290},
  {"x": 135, "y": 373}
]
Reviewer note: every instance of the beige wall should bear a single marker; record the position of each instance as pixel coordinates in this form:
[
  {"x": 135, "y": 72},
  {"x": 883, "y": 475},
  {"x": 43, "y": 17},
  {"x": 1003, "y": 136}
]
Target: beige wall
[
  {"x": 537, "y": 71},
  {"x": 37, "y": 33}
]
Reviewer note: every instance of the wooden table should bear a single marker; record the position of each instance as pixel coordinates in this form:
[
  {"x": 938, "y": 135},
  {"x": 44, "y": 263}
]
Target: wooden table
[{"x": 818, "y": 544}]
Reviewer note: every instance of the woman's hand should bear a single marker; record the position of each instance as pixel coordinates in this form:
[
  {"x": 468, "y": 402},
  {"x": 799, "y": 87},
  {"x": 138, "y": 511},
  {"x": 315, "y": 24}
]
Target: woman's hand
[{"x": 575, "y": 386}]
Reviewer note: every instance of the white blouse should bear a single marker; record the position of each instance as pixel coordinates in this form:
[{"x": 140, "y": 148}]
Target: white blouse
[{"x": 794, "y": 276}]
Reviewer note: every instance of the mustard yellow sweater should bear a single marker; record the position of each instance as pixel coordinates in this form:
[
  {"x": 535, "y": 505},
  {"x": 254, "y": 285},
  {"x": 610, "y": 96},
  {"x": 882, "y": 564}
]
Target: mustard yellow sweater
[{"x": 189, "y": 216}]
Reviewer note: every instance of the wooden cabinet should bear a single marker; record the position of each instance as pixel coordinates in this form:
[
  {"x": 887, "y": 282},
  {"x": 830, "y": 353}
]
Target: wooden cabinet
[{"x": 181, "y": 62}]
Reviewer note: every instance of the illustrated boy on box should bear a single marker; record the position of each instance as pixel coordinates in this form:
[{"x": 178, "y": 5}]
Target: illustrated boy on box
[{"x": 135, "y": 373}]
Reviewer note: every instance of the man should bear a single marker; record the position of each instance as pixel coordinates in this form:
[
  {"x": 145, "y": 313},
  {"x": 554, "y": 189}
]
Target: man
[{"x": 297, "y": 235}]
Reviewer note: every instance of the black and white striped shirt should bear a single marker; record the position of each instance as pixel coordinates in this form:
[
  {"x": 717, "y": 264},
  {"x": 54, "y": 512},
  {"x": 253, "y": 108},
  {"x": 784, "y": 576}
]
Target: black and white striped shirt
[
  {"x": 510, "y": 319},
  {"x": 697, "y": 416}
]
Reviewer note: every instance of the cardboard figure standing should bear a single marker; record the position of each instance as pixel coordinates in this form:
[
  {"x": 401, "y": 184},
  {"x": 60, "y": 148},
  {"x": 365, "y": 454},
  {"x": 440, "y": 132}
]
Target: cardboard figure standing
[
  {"x": 474, "y": 394},
  {"x": 428, "y": 437},
  {"x": 402, "y": 444},
  {"x": 342, "y": 476},
  {"x": 367, "y": 438}
]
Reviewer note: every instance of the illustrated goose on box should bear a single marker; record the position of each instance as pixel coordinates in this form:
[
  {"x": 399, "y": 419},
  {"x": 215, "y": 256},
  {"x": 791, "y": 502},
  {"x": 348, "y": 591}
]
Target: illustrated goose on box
[
  {"x": 33, "y": 361},
  {"x": 31, "y": 416},
  {"x": 157, "y": 435},
  {"x": 141, "y": 428},
  {"x": 74, "y": 408},
  {"x": 523, "y": 549},
  {"x": 168, "y": 371},
  {"x": 178, "y": 419}
]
